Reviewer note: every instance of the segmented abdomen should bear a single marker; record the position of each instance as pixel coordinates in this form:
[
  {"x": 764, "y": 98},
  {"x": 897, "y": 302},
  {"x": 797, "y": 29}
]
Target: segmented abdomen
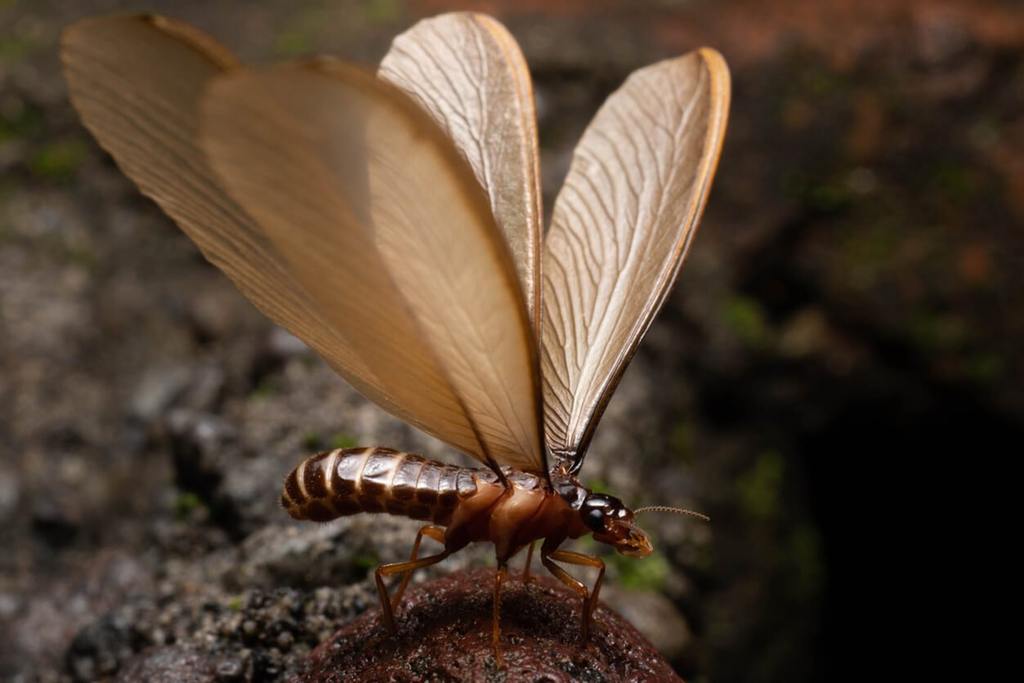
[{"x": 352, "y": 480}]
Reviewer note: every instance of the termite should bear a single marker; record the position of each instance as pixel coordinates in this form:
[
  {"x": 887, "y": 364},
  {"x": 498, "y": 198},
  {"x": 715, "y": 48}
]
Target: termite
[
  {"x": 393, "y": 222},
  {"x": 463, "y": 505}
]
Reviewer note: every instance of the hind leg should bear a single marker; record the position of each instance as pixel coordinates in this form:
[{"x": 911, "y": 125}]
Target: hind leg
[
  {"x": 430, "y": 531},
  {"x": 400, "y": 568}
]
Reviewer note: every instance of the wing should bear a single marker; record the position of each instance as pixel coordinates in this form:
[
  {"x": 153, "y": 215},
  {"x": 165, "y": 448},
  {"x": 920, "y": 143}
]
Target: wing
[
  {"x": 138, "y": 81},
  {"x": 621, "y": 227},
  {"x": 384, "y": 225},
  {"x": 467, "y": 72}
]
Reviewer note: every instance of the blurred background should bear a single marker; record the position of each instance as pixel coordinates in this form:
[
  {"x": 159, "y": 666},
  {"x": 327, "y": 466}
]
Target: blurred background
[{"x": 848, "y": 325}]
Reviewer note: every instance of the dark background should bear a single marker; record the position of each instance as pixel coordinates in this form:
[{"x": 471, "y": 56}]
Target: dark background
[{"x": 845, "y": 337}]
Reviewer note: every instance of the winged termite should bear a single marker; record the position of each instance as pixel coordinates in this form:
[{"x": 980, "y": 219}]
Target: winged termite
[{"x": 392, "y": 222}]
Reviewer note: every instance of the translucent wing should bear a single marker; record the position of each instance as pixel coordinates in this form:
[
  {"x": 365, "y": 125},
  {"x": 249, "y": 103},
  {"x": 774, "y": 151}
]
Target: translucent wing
[
  {"x": 136, "y": 82},
  {"x": 468, "y": 73},
  {"x": 384, "y": 225},
  {"x": 621, "y": 227}
]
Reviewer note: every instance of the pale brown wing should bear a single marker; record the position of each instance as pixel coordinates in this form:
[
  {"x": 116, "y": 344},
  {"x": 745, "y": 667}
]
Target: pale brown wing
[
  {"x": 467, "y": 72},
  {"x": 384, "y": 225},
  {"x": 621, "y": 228},
  {"x": 136, "y": 82}
]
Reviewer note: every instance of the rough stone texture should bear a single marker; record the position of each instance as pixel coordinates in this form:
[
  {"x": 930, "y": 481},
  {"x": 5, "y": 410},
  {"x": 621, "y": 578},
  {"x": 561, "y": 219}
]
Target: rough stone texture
[
  {"x": 849, "y": 309},
  {"x": 180, "y": 665},
  {"x": 445, "y": 635}
]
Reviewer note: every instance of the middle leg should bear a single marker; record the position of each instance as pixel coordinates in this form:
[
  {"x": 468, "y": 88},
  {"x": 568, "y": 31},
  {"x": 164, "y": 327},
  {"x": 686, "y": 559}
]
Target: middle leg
[{"x": 529, "y": 560}]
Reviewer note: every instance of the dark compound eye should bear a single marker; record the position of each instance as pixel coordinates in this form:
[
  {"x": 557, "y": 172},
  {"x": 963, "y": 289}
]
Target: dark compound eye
[
  {"x": 594, "y": 518},
  {"x": 599, "y": 507}
]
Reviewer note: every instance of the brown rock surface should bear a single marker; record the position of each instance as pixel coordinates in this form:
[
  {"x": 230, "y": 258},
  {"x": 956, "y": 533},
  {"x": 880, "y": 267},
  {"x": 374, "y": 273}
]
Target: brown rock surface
[{"x": 445, "y": 635}]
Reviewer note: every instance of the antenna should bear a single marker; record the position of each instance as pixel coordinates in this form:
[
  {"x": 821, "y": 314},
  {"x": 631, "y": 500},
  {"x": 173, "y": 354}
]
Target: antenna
[{"x": 666, "y": 508}]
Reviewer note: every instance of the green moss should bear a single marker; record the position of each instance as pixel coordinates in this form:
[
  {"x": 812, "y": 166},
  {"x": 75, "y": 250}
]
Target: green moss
[
  {"x": 680, "y": 440},
  {"x": 25, "y": 121},
  {"x": 186, "y": 503},
  {"x": 955, "y": 181},
  {"x": 82, "y": 256},
  {"x": 588, "y": 545},
  {"x": 58, "y": 161},
  {"x": 312, "y": 441},
  {"x": 648, "y": 573},
  {"x": 383, "y": 11},
  {"x": 825, "y": 192},
  {"x": 292, "y": 43},
  {"x": 821, "y": 82},
  {"x": 805, "y": 554},
  {"x": 938, "y": 332},
  {"x": 266, "y": 388},
  {"x": 867, "y": 251},
  {"x": 366, "y": 561},
  {"x": 343, "y": 440},
  {"x": 985, "y": 367},
  {"x": 829, "y": 197},
  {"x": 234, "y": 603},
  {"x": 746, "y": 319},
  {"x": 760, "y": 487},
  {"x": 14, "y": 48},
  {"x": 298, "y": 35}
]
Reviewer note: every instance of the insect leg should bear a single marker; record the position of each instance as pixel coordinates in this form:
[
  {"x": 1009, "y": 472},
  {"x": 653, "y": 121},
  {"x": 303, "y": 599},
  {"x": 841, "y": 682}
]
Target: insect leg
[
  {"x": 548, "y": 555},
  {"x": 430, "y": 531},
  {"x": 529, "y": 561},
  {"x": 580, "y": 559},
  {"x": 400, "y": 568},
  {"x": 499, "y": 578}
]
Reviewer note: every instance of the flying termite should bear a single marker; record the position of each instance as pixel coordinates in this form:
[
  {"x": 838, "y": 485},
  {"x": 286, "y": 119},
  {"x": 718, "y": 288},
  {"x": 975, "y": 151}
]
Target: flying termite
[{"x": 393, "y": 222}]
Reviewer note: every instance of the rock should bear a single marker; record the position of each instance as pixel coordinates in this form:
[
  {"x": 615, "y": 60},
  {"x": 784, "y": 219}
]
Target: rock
[
  {"x": 655, "y": 616},
  {"x": 98, "y": 649},
  {"x": 10, "y": 492},
  {"x": 157, "y": 390},
  {"x": 305, "y": 556},
  {"x": 197, "y": 442},
  {"x": 177, "y": 664},
  {"x": 52, "y": 522},
  {"x": 445, "y": 634},
  {"x": 206, "y": 387},
  {"x": 283, "y": 344}
]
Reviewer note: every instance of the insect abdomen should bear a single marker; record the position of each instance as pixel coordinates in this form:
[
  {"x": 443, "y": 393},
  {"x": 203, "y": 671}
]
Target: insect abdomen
[{"x": 352, "y": 480}]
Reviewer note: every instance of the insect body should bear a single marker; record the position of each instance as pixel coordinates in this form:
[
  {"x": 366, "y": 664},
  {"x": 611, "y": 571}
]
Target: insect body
[
  {"x": 463, "y": 505},
  {"x": 392, "y": 221}
]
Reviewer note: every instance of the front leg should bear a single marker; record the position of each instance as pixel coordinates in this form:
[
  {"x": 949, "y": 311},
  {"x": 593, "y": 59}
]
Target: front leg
[{"x": 548, "y": 555}]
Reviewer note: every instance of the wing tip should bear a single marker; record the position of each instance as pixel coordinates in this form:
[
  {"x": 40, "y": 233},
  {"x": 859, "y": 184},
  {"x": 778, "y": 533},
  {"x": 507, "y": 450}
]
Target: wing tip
[
  {"x": 720, "y": 87},
  {"x": 712, "y": 57},
  {"x": 718, "y": 68},
  {"x": 82, "y": 26},
  {"x": 75, "y": 33}
]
